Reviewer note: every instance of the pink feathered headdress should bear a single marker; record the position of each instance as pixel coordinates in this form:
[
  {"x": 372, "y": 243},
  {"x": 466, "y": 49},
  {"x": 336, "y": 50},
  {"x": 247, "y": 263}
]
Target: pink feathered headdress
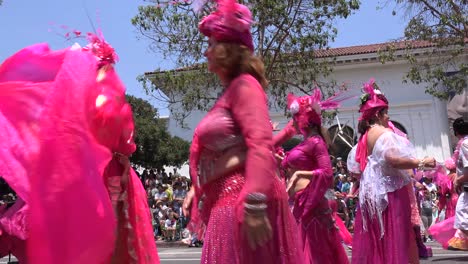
[
  {"x": 229, "y": 23},
  {"x": 104, "y": 52},
  {"x": 372, "y": 100},
  {"x": 307, "y": 110},
  {"x": 450, "y": 164}
]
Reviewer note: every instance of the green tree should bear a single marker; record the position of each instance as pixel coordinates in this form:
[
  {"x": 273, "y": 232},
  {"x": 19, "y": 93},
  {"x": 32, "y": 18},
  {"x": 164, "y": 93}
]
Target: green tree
[
  {"x": 443, "y": 24},
  {"x": 286, "y": 34},
  {"x": 155, "y": 146}
]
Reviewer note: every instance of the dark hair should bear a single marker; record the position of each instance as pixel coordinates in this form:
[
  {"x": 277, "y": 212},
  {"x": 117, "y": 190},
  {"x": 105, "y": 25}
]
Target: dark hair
[
  {"x": 363, "y": 125},
  {"x": 238, "y": 59},
  {"x": 460, "y": 127}
]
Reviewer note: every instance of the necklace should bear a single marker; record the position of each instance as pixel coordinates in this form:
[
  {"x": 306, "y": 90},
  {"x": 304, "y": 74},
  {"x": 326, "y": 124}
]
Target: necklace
[{"x": 374, "y": 125}]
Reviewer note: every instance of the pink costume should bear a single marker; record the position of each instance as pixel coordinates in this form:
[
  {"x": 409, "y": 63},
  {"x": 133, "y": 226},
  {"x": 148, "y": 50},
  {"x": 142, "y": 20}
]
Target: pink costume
[
  {"x": 383, "y": 220},
  {"x": 314, "y": 216},
  {"x": 449, "y": 195},
  {"x": 239, "y": 119},
  {"x": 64, "y": 115},
  {"x": 320, "y": 236}
]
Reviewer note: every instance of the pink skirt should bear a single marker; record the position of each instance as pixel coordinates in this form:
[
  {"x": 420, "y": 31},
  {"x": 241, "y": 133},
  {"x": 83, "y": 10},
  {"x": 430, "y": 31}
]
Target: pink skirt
[
  {"x": 320, "y": 235},
  {"x": 225, "y": 241},
  {"x": 394, "y": 246}
]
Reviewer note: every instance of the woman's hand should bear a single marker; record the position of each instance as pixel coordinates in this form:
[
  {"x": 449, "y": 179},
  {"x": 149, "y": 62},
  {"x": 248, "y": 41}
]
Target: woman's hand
[
  {"x": 258, "y": 229},
  {"x": 292, "y": 181},
  {"x": 187, "y": 204},
  {"x": 279, "y": 158},
  {"x": 429, "y": 162}
]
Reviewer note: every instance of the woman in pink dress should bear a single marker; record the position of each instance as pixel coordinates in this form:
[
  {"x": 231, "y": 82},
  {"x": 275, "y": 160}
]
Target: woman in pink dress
[
  {"x": 69, "y": 128},
  {"x": 383, "y": 227},
  {"x": 245, "y": 212},
  {"x": 310, "y": 175}
]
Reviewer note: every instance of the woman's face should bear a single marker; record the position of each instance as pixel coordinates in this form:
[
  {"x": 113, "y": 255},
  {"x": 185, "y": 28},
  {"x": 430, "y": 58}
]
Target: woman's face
[
  {"x": 209, "y": 54},
  {"x": 383, "y": 117}
]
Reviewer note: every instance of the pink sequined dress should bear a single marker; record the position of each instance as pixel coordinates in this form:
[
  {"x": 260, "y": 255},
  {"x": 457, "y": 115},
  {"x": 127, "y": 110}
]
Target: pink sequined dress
[
  {"x": 321, "y": 238},
  {"x": 383, "y": 230},
  {"x": 58, "y": 155},
  {"x": 239, "y": 119}
]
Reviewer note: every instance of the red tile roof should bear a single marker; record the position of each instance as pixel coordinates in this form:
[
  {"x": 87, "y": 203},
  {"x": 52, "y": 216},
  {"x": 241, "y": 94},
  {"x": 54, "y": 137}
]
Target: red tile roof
[
  {"x": 346, "y": 51},
  {"x": 371, "y": 48}
]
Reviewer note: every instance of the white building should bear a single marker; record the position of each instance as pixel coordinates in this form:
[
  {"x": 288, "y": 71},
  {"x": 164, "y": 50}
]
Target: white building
[{"x": 421, "y": 116}]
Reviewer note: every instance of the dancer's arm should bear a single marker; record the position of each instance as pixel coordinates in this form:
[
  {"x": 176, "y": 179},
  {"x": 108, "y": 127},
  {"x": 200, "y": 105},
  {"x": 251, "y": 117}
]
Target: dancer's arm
[
  {"x": 249, "y": 109},
  {"x": 285, "y": 134}
]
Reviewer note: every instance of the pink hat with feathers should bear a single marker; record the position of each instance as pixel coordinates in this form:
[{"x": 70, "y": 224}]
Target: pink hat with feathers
[
  {"x": 372, "y": 101},
  {"x": 307, "y": 110},
  {"x": 229, "y": 23}
]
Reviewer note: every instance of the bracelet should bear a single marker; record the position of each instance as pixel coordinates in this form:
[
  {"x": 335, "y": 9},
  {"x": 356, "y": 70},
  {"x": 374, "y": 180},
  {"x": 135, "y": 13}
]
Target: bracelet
[
  {"x": 256, "y": 197},
  {"x": 421, "y": 165},
  {"x": 255, "y": 207}
]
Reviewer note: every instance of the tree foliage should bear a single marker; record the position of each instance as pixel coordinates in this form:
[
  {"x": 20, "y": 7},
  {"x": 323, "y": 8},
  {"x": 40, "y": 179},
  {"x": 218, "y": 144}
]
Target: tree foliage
[
  {"x": 155, "y": 146},
  {"x": 444, "y": 24},
  {"x": 286, "y": 33}
]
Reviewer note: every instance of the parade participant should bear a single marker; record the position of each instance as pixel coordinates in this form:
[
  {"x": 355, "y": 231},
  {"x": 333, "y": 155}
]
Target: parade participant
[
  {"x": 246, "y": 211},
  {"x": 449, "y": 195},
  {"x": 70, "y": 133},
  {"x": 309, "y": 177},
  {"x": 453, "y": 232},
  {"x": 383, "y": 222}
]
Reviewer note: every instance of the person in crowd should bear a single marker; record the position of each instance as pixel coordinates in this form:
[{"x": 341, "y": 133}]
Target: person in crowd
[
  {"x": 449, "y": 195},
  {"x": 453, "y": 232},
  {"x": 384, "y": 158}
]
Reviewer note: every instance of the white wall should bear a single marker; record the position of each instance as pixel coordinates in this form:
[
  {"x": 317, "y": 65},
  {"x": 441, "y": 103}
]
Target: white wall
[{"x": 424, "y": 117}]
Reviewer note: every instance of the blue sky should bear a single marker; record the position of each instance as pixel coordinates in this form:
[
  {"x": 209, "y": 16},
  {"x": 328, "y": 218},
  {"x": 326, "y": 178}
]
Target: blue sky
[{"x": 25, "y": 22}]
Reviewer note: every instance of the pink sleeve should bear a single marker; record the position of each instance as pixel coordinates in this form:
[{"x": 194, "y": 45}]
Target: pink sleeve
[
  {"x": 250, "y": 112},
  {"x": 322, "y": 173},
  {"x": 324, "y": 168},
  {"x": 193, "y": 159},
  {"x": 284, "y": 135}
]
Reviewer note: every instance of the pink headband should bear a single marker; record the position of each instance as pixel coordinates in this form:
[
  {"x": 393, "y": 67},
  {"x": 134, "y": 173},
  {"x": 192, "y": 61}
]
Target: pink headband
[
  {"x": 372, "y": 100},
  {"x": 229, "y": 23}
]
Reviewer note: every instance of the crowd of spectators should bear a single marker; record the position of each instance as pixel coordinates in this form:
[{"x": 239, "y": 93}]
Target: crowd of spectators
[{"x": 166, "y": 193}]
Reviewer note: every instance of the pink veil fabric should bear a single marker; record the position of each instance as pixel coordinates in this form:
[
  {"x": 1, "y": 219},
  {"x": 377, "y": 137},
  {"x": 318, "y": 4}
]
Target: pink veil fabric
[
  {"x": 54, "y": 162},
  {"x": 71, "y": 214}
]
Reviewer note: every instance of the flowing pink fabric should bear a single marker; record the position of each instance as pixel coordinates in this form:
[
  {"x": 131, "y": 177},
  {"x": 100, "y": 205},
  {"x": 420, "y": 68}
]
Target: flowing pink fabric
[
  {"x": 71, "y": 214},
  {"x": 345, "y": 235},
  {"x": 442, "y": 232},
  {"x": 52, "y": 158},
  {"x": 239, "y": 119},
  {"x": 320, "y": 237}
]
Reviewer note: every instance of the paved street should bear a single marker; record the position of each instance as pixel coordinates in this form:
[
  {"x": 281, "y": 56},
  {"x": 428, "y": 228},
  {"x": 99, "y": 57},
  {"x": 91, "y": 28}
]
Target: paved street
[{"x": 185, "y": 255}]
